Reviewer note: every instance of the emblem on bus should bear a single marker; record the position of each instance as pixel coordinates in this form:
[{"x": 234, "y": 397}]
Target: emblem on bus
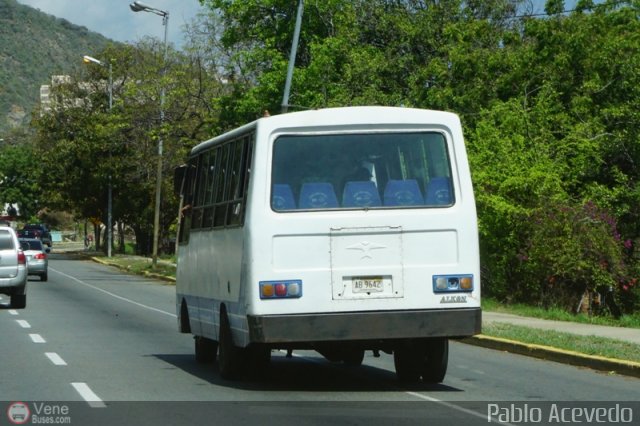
[
  {"x": 453, "y": 299},
  {"x": 366, "y": 247}
]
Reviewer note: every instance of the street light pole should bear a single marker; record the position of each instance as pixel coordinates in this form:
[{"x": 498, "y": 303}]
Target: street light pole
[
  {"x": 137, "y": 6},
  {"x": 89, "y": 59}
]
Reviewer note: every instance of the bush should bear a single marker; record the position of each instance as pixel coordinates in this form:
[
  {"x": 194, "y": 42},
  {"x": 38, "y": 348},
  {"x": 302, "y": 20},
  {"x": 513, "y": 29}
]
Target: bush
[{"x": 572, "y": 249}]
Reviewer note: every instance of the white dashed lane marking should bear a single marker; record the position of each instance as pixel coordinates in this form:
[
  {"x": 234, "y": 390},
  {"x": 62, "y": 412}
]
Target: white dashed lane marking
[
  {"x": 55, "y": 358},
  {"x": 23, "y": 323},
  {"x": 37, "y": 338},
  {"x": 88, "y": 395}
]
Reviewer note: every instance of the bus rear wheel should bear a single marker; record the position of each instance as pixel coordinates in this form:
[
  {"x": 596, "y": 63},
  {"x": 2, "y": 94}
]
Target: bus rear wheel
[
  {"x": 434, "y": 366},
  {"x": 230, "y": 357},
  {"x": 422, "y": 358},
  {"x": 406, "y": 360}
]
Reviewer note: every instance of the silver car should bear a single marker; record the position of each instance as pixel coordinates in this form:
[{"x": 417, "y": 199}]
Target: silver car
[
  {"x": 37, "y": 257},
  {"x": 13, "y": 268}
]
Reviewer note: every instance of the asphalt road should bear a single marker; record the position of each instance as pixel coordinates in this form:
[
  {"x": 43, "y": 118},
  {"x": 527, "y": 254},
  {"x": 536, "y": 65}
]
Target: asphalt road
[{"x": 105, "y": 345}]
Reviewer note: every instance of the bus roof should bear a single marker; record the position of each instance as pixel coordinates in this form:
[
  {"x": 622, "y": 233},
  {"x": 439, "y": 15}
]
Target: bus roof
[{"x": 338, "y": 117}]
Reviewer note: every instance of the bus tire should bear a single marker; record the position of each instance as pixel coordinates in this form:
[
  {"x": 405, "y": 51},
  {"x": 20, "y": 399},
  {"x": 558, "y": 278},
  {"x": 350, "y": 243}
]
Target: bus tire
[
  {"x": 206, "y": 350},
  {"x": 230, "y": 357},
  {"x": 185, "y": 322},
  {"x": 407, "y": 359},
  {"x": 436, "y": 360}
]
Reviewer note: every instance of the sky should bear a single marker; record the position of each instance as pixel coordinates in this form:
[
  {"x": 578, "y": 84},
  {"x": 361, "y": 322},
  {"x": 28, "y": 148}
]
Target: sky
[{"x": 115, "y": 20}]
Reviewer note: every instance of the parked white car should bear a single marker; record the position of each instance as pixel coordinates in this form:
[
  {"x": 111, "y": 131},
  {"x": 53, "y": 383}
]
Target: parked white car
[{"x": 13, "y": 268}]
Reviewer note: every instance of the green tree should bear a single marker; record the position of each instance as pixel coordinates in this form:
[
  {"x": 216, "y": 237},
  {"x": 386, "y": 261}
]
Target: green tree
[
  {"x": 19, "y": 175},
  {"x": 84, "y": 143}
]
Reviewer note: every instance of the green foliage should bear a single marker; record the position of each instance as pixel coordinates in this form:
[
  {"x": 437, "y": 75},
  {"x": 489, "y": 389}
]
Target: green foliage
[
  {"x": 549, "y": 107},
  {"x": 566, "y": 128},
  {"x": 512, "y": 173},
  {"x": 572, "y": 248},
  {"x": 20, "y": 172}
]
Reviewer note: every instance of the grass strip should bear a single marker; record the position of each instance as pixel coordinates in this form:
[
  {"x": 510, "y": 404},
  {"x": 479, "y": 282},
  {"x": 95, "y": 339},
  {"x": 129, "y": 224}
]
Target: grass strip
[
  {"x": 590, "y": 345},
  {"x": 141, "y": 265},
  {"x": 558, "y": 314}
]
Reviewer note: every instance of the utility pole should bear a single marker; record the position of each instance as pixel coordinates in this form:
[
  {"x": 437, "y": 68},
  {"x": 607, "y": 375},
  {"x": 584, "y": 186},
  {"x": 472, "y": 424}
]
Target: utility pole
[{"x": 292, "y": 57}]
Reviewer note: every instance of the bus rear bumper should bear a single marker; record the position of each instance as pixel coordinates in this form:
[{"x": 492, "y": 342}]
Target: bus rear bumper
[{"x": 374, "y": 325}]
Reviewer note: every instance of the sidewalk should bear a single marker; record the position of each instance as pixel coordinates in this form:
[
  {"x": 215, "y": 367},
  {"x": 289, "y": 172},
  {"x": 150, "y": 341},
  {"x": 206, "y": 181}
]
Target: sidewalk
[{"x": 630, "y": 335}]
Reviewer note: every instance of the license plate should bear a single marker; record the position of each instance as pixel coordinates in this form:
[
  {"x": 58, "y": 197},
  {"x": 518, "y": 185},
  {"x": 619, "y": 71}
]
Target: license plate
[{"x": 367, "y": 284}]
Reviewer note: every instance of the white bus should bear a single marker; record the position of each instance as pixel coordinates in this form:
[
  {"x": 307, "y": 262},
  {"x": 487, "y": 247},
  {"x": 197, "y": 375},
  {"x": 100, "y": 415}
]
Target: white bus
[{"x": 340, "y": 230}]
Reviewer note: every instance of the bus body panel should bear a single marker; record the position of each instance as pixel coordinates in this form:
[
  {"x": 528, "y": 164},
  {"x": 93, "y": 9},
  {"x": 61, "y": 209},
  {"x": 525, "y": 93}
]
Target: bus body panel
[{"x": 210, "y": 275}]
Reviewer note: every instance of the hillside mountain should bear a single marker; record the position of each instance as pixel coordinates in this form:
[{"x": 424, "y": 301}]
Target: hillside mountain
[{"x": 33, "y": 47}]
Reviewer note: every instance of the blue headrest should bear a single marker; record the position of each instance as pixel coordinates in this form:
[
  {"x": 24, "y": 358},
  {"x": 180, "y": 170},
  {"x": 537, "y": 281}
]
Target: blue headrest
[
  {"x": 439, "y": 192},
  {"x": 360, "y": 194},
  {"x": 317, "y": 195},
  {"x": 282, "y": 197},
  {"x": 403, "y": 193}
]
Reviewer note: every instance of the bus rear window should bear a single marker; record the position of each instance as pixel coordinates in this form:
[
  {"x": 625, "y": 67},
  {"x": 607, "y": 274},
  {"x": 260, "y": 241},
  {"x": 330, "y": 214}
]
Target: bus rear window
[{"x": 361, "y": 171}]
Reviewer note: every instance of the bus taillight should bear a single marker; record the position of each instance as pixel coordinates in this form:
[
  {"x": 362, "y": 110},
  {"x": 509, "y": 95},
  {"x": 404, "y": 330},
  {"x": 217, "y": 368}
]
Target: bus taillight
[
  {"x": 452, "y": 283},
  {"x": 280, "y": 289}
]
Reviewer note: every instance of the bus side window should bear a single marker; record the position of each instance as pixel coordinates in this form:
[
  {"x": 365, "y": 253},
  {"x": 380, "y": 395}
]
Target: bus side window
[
  {"x": 221, "y": 191},
  {"x": 187, "y": 192},
  {"x": 235, "y": 192},
  {"x": 179, "y": 176}
]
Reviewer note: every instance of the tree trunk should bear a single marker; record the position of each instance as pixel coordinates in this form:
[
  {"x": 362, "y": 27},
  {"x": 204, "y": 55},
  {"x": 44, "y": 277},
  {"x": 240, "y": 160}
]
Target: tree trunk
[
  {"x": 121, "y": 243},
  {"x": 143, "y": 241}
]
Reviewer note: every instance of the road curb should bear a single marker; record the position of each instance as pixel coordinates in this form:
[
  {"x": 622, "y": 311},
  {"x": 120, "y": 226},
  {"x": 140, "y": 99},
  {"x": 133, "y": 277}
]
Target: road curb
[
  {"x": 145, "y": 273},
  {"x": 159, "y": 277},
  {"x": 627, "y": 368}
]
